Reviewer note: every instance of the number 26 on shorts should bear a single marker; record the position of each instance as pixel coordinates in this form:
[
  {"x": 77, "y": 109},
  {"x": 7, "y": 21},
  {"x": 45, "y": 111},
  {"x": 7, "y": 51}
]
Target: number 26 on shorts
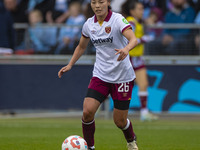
[{"x": 124, "y": 87}]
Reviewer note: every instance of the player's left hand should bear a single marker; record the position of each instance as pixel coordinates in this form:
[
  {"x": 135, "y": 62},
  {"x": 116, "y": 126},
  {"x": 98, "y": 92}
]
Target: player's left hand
[{"x": 122, "y": 53}]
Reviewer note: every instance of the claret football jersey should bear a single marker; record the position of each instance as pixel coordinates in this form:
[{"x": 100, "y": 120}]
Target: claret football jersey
[{"x": 106, "y": 37}]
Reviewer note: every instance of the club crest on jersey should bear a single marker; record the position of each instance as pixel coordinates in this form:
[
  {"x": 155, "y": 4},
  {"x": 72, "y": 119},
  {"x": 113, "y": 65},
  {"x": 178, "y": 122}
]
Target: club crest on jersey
[{"x": 108, "y": 29}]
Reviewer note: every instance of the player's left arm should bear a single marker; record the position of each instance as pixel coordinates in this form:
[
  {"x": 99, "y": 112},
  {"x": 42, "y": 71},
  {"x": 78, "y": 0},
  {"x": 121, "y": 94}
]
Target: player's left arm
[{"x": 129, "y": 34}]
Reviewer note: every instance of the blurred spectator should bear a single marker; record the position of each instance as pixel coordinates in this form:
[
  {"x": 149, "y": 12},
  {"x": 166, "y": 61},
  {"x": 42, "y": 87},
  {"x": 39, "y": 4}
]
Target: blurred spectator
[
  {"x": 59, "y": 12},
  {"x": 6, "y": 31},
  {"x": 155, "y": 17},
  {"x": 43, "y": 39},
  {"x": 43, "y": 5},
  {"x": 69, "y": 35},
  {"x": 182, "y": 13},
  {"x": 17, "y": 10},
  {"x": 175, "y": 41},
  {"x": 19, "y": 14},
  {"x": 149, "y": 4}
]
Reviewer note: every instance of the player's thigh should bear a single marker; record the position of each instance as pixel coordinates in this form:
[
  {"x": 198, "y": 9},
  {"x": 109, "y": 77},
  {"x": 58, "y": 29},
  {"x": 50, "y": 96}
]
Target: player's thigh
[
  {"x": 141, "y": 78},
  {"x": 90, "y": 104},
  {"x": 98, "y": 89},
  {"x": 120, "y": 117}
]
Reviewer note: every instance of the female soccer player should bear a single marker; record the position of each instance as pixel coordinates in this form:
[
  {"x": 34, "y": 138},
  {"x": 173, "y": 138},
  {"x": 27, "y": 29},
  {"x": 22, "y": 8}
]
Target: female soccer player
[
  {"x": 113, "y": 74},
  {"x": 133, "y": 11}
]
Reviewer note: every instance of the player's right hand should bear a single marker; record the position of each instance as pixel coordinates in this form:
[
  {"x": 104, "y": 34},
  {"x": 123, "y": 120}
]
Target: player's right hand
[{"x": 63, "y": 70}]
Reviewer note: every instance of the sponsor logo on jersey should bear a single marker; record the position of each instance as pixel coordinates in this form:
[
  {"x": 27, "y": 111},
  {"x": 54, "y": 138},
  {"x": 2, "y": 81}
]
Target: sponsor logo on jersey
[
  {"x": 108, "y": 29},
  {"x": 125, "y": 21},
  {"x": 100, "y": 41}
]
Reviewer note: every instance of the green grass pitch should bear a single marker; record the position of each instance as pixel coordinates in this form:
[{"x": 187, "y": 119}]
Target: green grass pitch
[{"x": 49, "y": 133}]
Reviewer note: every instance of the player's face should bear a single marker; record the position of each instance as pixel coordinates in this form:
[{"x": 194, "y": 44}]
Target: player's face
[
  {"x": 138, "y": 11},
  {"x": 100, "y": 7}
]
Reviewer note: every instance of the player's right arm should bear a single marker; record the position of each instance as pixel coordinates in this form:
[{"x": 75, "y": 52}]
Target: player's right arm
[{"x": 80, "y": 49}]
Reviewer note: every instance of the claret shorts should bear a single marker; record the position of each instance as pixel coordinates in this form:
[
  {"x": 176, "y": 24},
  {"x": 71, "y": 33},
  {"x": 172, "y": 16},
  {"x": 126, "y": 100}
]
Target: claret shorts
[
  {"x": 120, "y": 92},
  {"x": 137, "y": 63}
]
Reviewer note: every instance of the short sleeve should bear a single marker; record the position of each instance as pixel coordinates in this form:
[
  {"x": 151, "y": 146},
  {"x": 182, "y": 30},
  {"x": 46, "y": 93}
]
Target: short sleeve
[
  {"x": 123, "y": 23},
  {"x": 85, "y": 30},
  {"x": 132, "y": 25}
]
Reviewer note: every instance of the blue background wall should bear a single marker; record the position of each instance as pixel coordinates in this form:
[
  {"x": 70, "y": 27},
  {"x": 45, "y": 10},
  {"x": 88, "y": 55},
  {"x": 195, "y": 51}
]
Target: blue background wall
[
  {"x": 175, "y": 89},
  {"x": 172, "y": 88},
  {"x": 38, "y": 87}
]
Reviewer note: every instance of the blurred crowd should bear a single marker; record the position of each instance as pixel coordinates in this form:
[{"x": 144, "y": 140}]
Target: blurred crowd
[{"x": 54, "y": 39}]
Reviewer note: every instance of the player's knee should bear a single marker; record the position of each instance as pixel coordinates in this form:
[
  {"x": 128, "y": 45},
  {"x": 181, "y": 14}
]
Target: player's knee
[
  {"x": 120, "y": 123},
  {"x": 143, "y": 87},
  {"x": 87, "y": 115}
]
